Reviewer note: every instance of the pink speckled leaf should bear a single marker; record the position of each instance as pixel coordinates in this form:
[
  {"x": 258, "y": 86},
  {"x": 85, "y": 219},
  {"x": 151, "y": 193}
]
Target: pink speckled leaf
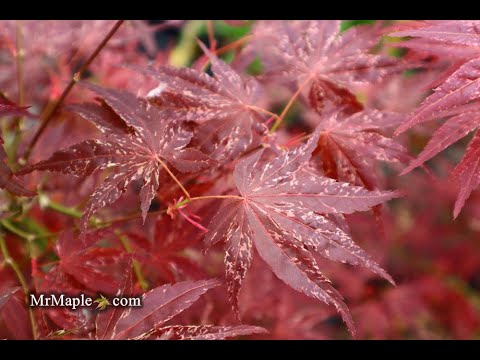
[
  {"x": 138, "y": 139},
  {"x": 94, "y": 267},
  {"x": 232, "y": 224},
  {"x": 221, "y": 105},
  {"x": 450, "y": 132},
  {"x": 106, "y": 320},
  {"x": 461, "y": 32},
  {"x": 316, "y": 49},
  {"x": 457, "y": 96},
  {"x": 160, "y": 305},
  {"x": 207, "y": 332},
  {"x": 467, "y": 173},
  {"x": 349, "y": 145},
  {"x": 462, "y": 87},
  {"x": 281, "y": 210}
]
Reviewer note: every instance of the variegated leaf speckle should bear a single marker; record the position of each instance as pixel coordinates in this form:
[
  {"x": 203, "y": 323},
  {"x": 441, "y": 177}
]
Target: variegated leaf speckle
[
  {"x": 349, "y": 146},
  {"x": 223, "y": 106},
  {"x": 138, "y": 138},
  {"x": 159, "y": 306},
  {"x": 286, "y": 213}
]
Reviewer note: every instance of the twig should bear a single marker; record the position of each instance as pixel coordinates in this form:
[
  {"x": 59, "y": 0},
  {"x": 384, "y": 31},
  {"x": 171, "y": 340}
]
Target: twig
[
  {"x": 50, "y": 111},
  {"x": 290, "y": 103},
  {"x": 233, "y": 45},
  {"x": 211, "y": 36},
  {"x": 174, "y": 178}
]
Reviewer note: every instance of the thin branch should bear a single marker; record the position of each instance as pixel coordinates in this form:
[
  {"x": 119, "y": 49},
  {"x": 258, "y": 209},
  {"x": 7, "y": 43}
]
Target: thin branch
[
  {"x": 14, "y": 230},
  {"x": 211, "y": 36},
  {"x": 261, "y": 110},
  {"x": 290, "y": 103},
  {"x": 174, "y": 178},
  {"x": 186, "y": 201},
  {"x": 129, "y": 218},
  {"x": 233, "y": 45},
  {"x": 48, "y": 114}
]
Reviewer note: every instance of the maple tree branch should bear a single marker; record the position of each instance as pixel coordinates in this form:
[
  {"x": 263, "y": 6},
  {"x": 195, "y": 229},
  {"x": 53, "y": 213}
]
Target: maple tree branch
[
  {"x": 93, "y": 221},
  {"x": 290, "y": 103},
  {"x": 21, "y": 279},
  {"x": 130, "y": 217},
  {"x": 135, "y": 264},
  {"x": 211, "y": 35},
  {"x": 186, "y": 201},
  {"x": 262, "y": 110},
  {"x": 50, "y": 111},
  {"x": 45, "y": 201},
  {"x": 233, "y": 45},
  {"x": 174, "y": 178},
  {"x": 65, "y": 210},
  {"x": 14, "y": 230}
]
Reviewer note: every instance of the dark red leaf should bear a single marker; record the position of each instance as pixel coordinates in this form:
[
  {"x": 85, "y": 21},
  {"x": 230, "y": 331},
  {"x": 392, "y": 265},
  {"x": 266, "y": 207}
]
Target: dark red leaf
[{"x": 281, "y": 210}]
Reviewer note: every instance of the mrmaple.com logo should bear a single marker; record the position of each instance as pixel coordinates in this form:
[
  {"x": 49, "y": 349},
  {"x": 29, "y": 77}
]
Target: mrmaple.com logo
[{"x": 73, "y": 302}]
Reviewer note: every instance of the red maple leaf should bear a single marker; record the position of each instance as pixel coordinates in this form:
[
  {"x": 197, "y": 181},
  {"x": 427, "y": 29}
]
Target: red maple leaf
[
  {"x": 316, "y": 53},
  {"x": 224, "y": 106},
  {"x": 159, "y": 306},
  {"x": 281, "y": 210},
  {"x": 350, "y": 145},
  {"x": 456, "y": 98},
  {"x": 139, "y": 142}
]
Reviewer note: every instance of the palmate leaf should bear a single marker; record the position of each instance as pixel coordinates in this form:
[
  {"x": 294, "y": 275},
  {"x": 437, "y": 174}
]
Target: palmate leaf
[
  {"x": 58, "y": 282},
  {"x": 456, "y": 98},
  {"x": 467, "y": 173},
  {"x": 335, "y": 62},
  {"x": 139, "y": 140},
  {"x": 164, "y": 256},
  {"x": 282, "y": 212},
  {"x": 94, "y": 267},
  {"x": 159, "y": 306},
  {"x": 462, "y": 86},
  {"x": 349, "y": 145},
  {"x": 223, "y": 106}
]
